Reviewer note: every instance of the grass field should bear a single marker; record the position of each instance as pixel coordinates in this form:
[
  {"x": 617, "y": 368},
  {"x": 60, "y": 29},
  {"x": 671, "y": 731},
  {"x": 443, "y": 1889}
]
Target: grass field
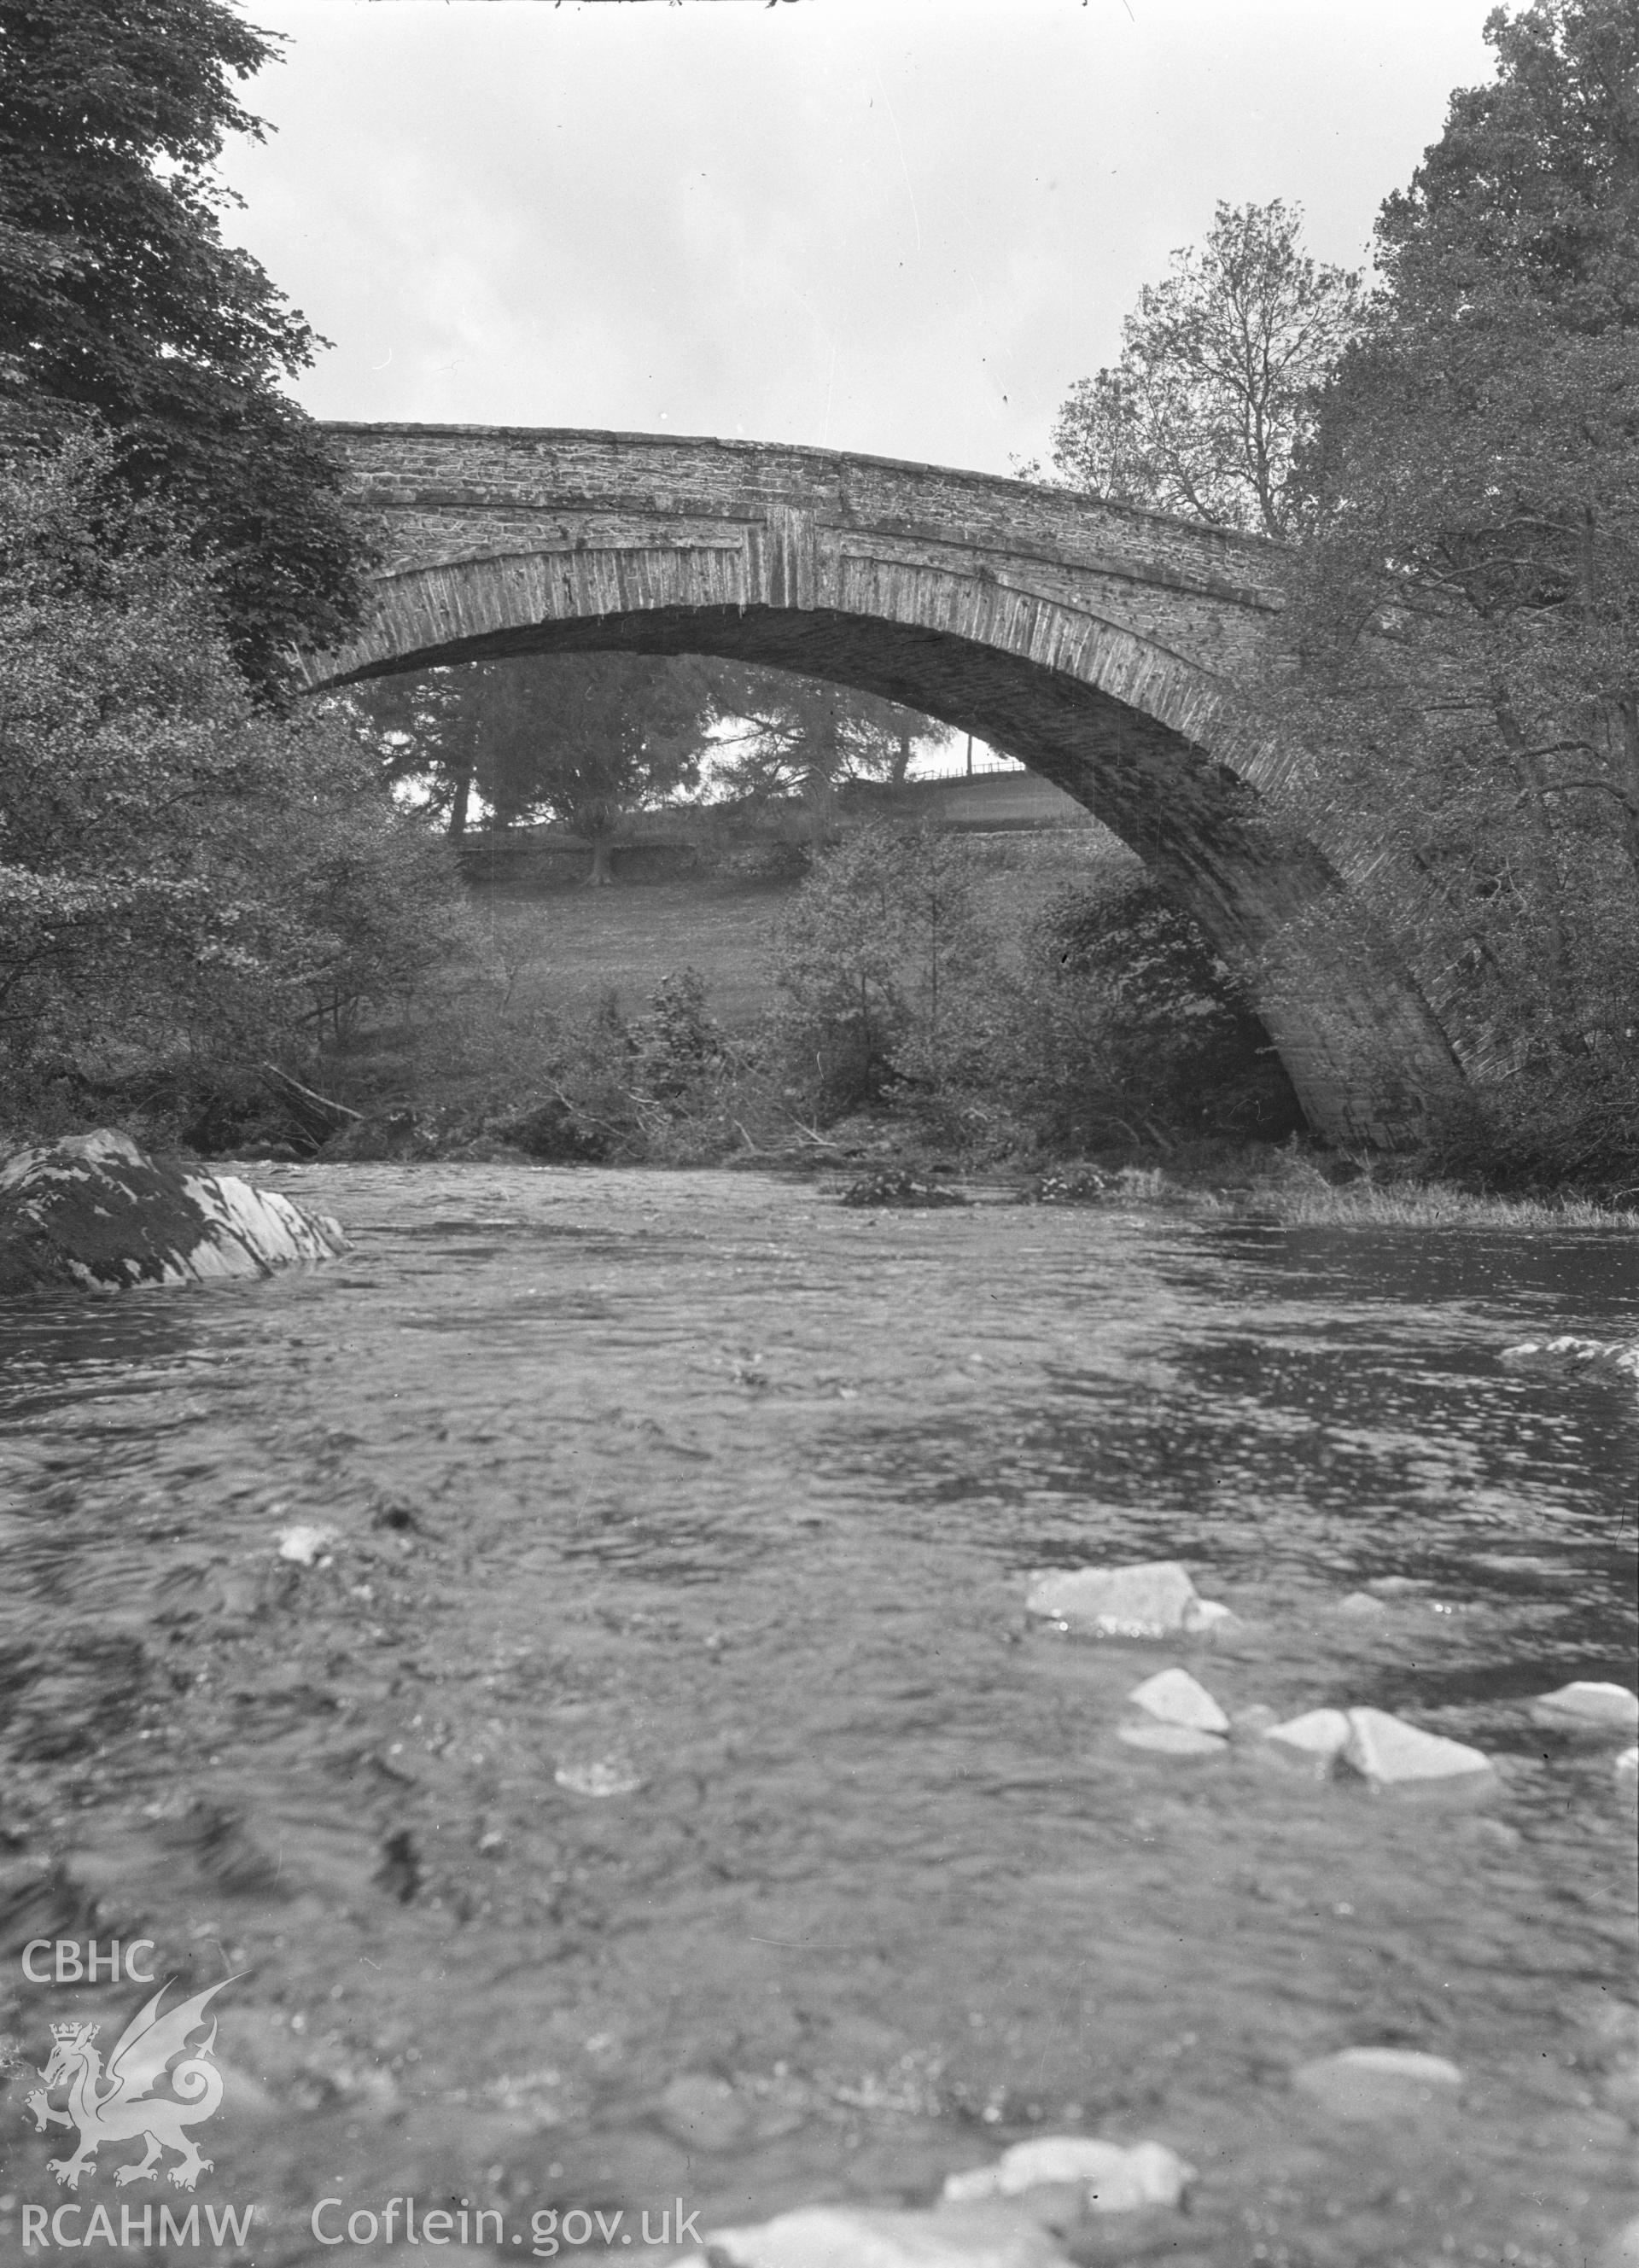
[{"x": 565, "y": 949}]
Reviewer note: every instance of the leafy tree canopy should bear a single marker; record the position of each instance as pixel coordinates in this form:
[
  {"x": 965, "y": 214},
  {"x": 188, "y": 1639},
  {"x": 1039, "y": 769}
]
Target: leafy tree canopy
[
  {"x": 119, "y": 301},
  {"x": 586, "y": 739},
  {"x": 1464, "y": 618},
  {"x": 786, "y": 734},
  {"x": 1212, "y": 394},
  {"x": 184, "y": 878}
]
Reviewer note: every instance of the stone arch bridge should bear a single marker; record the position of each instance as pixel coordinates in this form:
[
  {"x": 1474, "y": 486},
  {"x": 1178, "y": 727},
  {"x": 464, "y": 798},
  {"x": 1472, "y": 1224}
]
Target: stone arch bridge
[{"x": 1094, "y": 641}]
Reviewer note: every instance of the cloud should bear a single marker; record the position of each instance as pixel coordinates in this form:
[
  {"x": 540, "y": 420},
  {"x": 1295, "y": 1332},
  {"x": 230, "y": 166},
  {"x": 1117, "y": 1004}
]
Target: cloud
[{"x": 903, "y": 227}]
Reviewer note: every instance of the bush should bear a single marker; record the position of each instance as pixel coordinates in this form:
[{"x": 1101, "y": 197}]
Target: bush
[
  {"x": 1130, "y": 1029},
  {"x": 1104, "y": 1018},
  {"x": 188, "y": 882},
  {"x": 883, "y": 967}
]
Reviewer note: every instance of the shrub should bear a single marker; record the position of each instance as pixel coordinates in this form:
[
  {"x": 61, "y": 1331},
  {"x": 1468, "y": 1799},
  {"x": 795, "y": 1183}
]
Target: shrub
[{"x": 186, "y": 881}]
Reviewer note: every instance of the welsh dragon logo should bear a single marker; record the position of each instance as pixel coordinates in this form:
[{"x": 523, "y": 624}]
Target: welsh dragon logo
[{"x": 113, "y": 2105}]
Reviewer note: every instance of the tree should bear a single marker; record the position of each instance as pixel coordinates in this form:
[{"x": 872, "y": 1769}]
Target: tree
[
  {"x": 790, "y": 735},
  {"x": 1459, "y": 668},
  {"x": 1210, "y": 398},
  {"x": 427, "y": 727},
  {"x": 185, "y": 878},
  {"x": 120, "y": 302}
]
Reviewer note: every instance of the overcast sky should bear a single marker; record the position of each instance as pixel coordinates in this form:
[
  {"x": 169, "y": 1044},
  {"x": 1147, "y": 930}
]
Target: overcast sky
[{"x": 903, "y": 227}]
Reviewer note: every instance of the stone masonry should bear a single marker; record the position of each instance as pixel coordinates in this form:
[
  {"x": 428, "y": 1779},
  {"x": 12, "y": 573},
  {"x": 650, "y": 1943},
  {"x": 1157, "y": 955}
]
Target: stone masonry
[{"x": 1094, "y": 641}]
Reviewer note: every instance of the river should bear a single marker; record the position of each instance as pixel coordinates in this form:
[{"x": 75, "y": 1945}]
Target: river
[{"x": 652, "y": 1791}]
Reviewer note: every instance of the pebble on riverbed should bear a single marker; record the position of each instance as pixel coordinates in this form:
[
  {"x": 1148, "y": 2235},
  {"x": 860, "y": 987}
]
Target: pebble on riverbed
[
  {"x": 1147, "y": 1599},
  {"x": 1587, "y": 1706},
  {"x": 1574, "y": 1356},
  {"x": 1112, "y": 2176},
  {"x": 1174, "y": 1697},
  {"x": 604, "y": 1778},
  {"x": 305, "y": 1546},
  {"x": 1373, "y": 2083},
  {"x": 1389, "y": 1753},
  {"x": 1172, "y": 1740},
  {"x": 1315, "y": 1740}
]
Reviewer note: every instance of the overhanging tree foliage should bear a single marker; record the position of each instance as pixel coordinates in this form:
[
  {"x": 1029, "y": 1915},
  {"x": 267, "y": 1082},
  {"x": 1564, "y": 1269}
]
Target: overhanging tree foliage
[
  {"x": 186, "y": 881},
  {"x": 1462, "y": 636},
  {"x": 119, "y": 301},
  {"x": 1213, "y": 392}
]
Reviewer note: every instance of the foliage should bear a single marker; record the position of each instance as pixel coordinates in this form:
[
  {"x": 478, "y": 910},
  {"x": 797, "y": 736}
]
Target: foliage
[
  {"x": 119, "y": 301},
  {"x": 586, "y": 739},
  {"x": 182, "y": 875},
  {"x": 1127, "y": 1028},
  {"x": 1104, "y": 1019},
  {"x": 1458, "y": 690},
  {"x": 879, "y": 964},
  {"x": 802, "y": 735},
  {"x": 1202, "y": 413}
]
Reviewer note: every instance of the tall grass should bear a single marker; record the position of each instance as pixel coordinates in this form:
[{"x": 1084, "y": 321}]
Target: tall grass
[{"x": 1431, "y": 1204}]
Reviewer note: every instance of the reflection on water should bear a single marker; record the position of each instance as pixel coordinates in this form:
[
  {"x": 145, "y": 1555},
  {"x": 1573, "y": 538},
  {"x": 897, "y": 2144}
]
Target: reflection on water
[{"x": 707, "y": 1483}]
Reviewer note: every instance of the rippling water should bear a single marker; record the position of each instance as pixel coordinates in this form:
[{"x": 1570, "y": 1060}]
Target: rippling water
[{"x": 705, "y": 1483}]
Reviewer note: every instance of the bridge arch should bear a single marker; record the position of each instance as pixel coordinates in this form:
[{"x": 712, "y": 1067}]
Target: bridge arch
[{"x": 1092, "y": 640}]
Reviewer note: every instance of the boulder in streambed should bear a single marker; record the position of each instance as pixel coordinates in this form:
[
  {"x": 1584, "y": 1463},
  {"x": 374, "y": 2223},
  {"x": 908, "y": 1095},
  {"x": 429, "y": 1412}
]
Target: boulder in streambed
[
  {"x": 1172, "y": 1696},
  {"x": 1389, "y": 1753},
  {"x": 1314, "y": 1741},
  {"x": 1171, "y": 1739},
  {"x": 95, "y": 1213},
  {"x": 989, "y": 2234},
  {"x": 1150, "y": 1598},
  {"x": 1379, "y": 2083},
  {"x": 1111, "y": 2177},
  {"x": 1586, "y": 1705},
  {"x": 1574, "y": 1358}
]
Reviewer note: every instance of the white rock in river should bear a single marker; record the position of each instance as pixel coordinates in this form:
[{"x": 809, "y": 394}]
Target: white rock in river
[
  {"x": 1112, "y": 2176},
  {"x": 1316, "y": 1739},
  {"x": 1172, "y": 1740},
  {"x": 303, "y": 1544},
  {"x": 1369, "y": 2083},
  {"x": 1175, "y": 1698},
  {"x": 1607, "y": 1357},
  {"x": 991, "y": 2234},
  {"x": 1391, "y": 1753},
  {"x": 1148, "y": 1599},
  {"x": 1203, "y": 1615},
  {"x": 97, "y": 1212},
  {"x": 1585, "y": 1706}
]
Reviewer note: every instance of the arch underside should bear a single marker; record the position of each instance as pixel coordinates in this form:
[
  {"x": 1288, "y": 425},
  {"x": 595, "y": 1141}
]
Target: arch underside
[
  {"x": 1358, "y": 1040},
  {"x": 1199, "y": 827}
]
